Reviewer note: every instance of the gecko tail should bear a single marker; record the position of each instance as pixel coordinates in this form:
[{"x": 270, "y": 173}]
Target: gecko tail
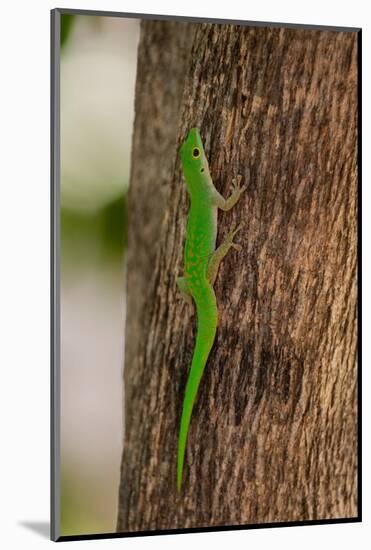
[{"x": 206, "y": 330}]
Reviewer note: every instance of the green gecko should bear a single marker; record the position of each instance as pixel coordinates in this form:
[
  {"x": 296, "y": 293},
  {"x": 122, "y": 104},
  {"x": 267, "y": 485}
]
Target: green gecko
[{"x": 201, "y": 264}]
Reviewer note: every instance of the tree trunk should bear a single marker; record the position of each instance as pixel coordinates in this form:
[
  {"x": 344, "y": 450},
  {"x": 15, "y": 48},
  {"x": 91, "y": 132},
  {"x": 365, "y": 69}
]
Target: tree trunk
[{"x": 273, "y": 436}]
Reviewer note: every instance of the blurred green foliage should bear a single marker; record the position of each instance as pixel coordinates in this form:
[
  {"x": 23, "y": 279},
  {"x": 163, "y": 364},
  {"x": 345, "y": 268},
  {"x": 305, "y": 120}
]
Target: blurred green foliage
[
  {"x": 114, "y": 226},
  {"x": 67, "y": 22},
  {"x": 95, "y": 239}
]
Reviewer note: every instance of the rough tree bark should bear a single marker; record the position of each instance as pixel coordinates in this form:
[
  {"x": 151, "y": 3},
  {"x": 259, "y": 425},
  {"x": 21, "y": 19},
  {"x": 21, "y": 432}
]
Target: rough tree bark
[{"x": 273, "y": 435}]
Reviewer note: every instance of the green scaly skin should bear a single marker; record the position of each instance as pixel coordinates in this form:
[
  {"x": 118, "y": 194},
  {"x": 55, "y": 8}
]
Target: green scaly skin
[{"x": 201, "y": 263}]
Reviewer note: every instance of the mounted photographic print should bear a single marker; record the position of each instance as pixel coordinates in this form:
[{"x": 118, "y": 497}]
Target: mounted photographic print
[{"x": 205, "y": 198}]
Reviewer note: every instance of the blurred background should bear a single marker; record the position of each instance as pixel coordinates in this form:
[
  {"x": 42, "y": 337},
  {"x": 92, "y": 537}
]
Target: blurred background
[{"x": 98, "y": 68}]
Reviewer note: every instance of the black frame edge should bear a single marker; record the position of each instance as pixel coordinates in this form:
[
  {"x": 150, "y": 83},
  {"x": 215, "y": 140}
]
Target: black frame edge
[
  {"x": 359, "y": 269},
  {"x": 113, "y": 535}
]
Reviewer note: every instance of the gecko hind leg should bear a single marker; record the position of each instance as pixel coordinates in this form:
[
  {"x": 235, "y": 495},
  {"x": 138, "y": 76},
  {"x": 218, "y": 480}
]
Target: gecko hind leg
[
  {"x": 220, "y": 252},
  {"x": 184, "y": 290}
]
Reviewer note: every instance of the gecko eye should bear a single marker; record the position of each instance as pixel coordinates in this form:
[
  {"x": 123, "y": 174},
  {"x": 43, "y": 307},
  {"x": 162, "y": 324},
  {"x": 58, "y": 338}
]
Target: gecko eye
[
  {"x": 195, "y": 152},
  {"x": 202, "y": 170}
]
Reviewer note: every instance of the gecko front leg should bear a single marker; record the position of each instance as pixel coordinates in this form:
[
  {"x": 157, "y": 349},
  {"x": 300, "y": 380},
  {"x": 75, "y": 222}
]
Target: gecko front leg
[{"x": 227, "y": 204}]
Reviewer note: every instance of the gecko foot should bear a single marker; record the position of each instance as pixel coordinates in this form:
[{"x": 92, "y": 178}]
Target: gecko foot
[
  {"x": 236, "y": 183},
  {"x": 229, "y": 238}
]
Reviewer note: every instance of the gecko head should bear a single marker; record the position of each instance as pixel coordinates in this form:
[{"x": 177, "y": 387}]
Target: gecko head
[{"x": 193, "y": 156}]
